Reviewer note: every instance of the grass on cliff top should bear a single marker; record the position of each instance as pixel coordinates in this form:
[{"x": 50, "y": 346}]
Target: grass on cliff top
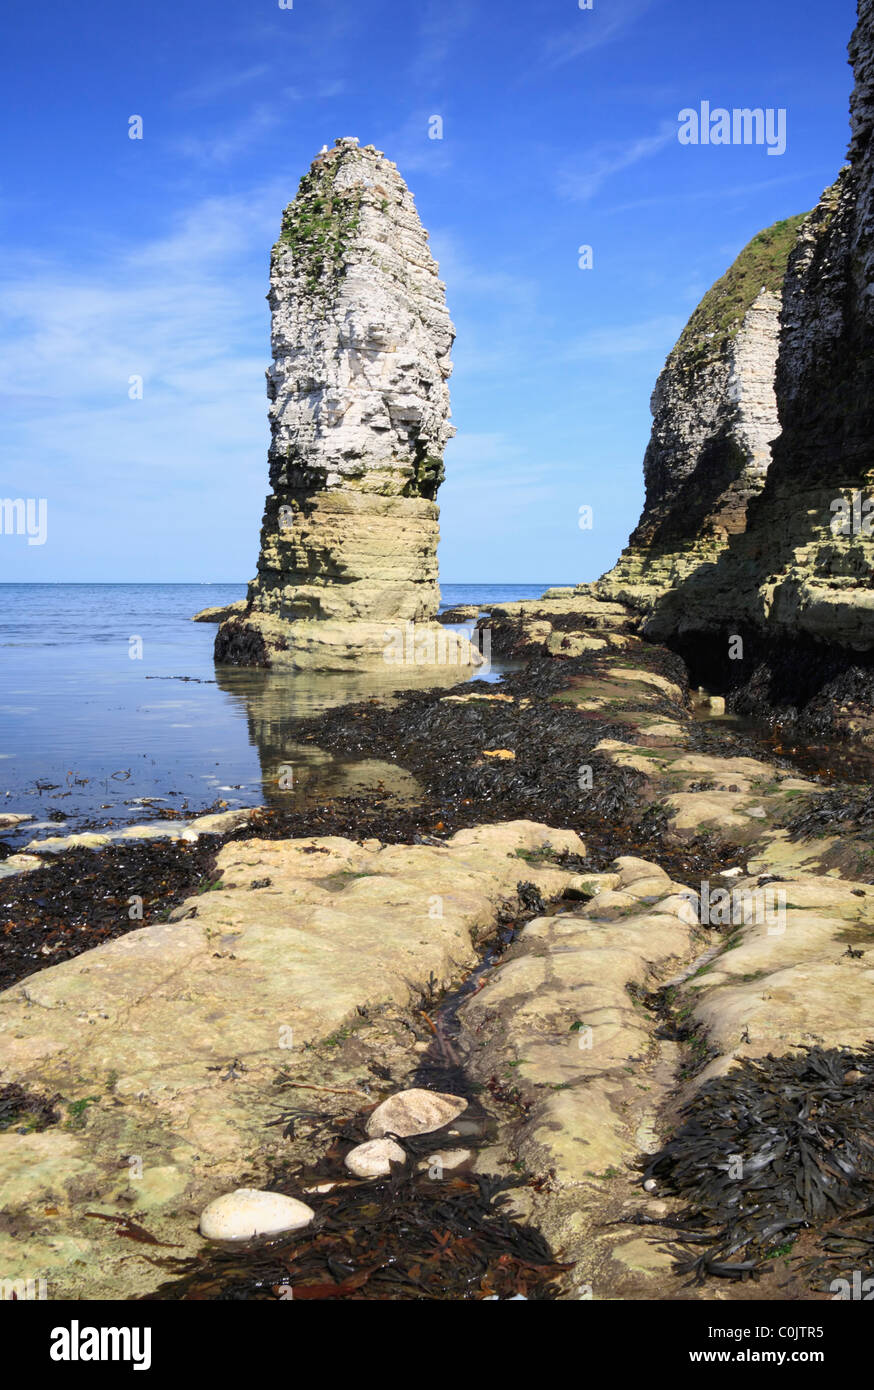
[
  {"x": 318, "y": 226},
  {"x": 760, "y": 265}
]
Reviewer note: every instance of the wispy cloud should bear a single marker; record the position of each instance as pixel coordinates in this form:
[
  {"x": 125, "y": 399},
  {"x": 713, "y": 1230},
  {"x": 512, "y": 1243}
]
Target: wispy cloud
[
  {"x": 593, "y": 28},
  {"x": 478, "y": 281},
  {"x": 583, "y": 181},
  {"x": 442, "y": 24},
  {"x": 320, "y": 91},
  {"x": 470, "y": 450},
  {"x": 186, "y": 313},
  {"x": 475, "y": 462},
  {"x": 411, "y": 148},
  {"x": 221, "y": 84},
  {"x": 494, "y": 472},
  {"x": 712, "y": 194},
  {"x": 654, "y": 335},
  {"x": 231, "y": 140},
  {"x": 496, "y": 310}
]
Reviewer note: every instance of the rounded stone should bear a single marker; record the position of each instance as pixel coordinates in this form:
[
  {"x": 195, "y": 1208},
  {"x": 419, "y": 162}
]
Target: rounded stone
[
  {"x": 414, "y": 1112},
  {"x": 445, "y": 1160},
  {"x": 248, "y": 1212},
  {"x": 374, "y": 1159}
]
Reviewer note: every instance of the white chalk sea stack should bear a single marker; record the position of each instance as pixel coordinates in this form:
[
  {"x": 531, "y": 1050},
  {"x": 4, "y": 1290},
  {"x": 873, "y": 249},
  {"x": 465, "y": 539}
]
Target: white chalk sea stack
[
  {"x": 359, "y": 419},
  {"x": 414, "y": 1112},
  {"x": 248, "y": 1212},
  {"x": 374, "y": 1159}
]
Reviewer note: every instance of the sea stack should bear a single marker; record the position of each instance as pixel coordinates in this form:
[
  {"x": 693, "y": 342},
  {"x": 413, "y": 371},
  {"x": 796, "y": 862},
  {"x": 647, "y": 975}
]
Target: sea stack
[{"x": 359, "y": 419}]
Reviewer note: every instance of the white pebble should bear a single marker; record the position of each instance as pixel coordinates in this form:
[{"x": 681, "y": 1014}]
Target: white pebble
[
  {"x": 414, "y": 1112},
  {"x": 374, "y": 1159},
  {"x": 444, "y": 1160},
  {"x": 247, "y": 1212}
]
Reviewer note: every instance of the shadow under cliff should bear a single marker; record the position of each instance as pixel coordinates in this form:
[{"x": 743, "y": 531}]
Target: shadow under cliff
[{"x": 709, "y": 499}]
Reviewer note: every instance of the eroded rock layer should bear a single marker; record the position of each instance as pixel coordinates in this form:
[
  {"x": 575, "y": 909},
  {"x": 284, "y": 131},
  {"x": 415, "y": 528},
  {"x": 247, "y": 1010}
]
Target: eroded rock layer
[
  {"x": 359, "y": 418},
  {"x": 714, "y": 420}
]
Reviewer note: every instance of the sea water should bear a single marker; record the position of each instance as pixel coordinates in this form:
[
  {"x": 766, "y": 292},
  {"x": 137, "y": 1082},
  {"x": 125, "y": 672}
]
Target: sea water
[{"x": 111, "y": 707}]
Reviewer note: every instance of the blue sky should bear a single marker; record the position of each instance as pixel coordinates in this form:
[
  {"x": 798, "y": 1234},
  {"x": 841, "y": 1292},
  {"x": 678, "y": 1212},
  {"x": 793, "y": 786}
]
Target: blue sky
[{"x": 121, "y": 257}]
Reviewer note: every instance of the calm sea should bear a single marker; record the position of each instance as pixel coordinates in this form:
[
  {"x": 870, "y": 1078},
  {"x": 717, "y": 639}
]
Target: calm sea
[{"x": 87, "y": 730}]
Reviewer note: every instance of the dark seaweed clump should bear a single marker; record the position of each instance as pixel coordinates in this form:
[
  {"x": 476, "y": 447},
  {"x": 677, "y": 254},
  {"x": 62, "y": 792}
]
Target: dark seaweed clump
[
  {"x": 836, "y": 809},
  {"x": 777, "y": 1146},
  {"x": 25, "y": 1110},
  {"x": 406, "y": 1237},
  {"x": 82, "y": 899},
  {"x": 444, "y": 744}
]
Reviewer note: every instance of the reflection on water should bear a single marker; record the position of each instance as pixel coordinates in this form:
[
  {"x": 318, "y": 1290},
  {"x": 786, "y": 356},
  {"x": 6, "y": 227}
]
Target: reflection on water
[
  {"x": 289, "y": 695},
  {"x": 91, "y": 737},
  {"x": 298, "y": 774},
  {"x": 294, "y": 774}
]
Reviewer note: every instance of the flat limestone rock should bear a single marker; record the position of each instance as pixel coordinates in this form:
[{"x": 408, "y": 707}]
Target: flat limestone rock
[
  {"x": 415, "y": 1112},
  {"x": 691, "y": 811},
  {"x": 633, "y": 870},
  {"x": 789, "y": 980},
  {"x": 559, "y": 1009},
  {"x": 220, "y": 613},
  {"x": 214, "y": 823},
  {"x": 146, "y": 1028},
  {"x": 20, "y": 864},
  {"x": 462, "y": 613},
  {"x": 249, "y": 1212}
]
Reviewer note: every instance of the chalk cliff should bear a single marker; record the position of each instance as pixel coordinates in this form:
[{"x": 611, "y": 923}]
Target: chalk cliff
[
  {"x": 754, "y": 554},
  {"x": 359, "y": 419},
  {"x": 714, "y": 420},
  {"x": 796, "y": 586}
]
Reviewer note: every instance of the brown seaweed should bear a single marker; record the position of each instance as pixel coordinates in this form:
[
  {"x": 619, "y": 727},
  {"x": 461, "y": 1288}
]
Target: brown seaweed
[
  {"x": 405, "y": 1237},
  {"x": 780, "y": 1145}
]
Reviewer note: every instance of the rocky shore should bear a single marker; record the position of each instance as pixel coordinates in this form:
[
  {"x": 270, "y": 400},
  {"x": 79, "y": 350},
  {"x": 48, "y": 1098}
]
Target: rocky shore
[{"x": 301, "y": 982}]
